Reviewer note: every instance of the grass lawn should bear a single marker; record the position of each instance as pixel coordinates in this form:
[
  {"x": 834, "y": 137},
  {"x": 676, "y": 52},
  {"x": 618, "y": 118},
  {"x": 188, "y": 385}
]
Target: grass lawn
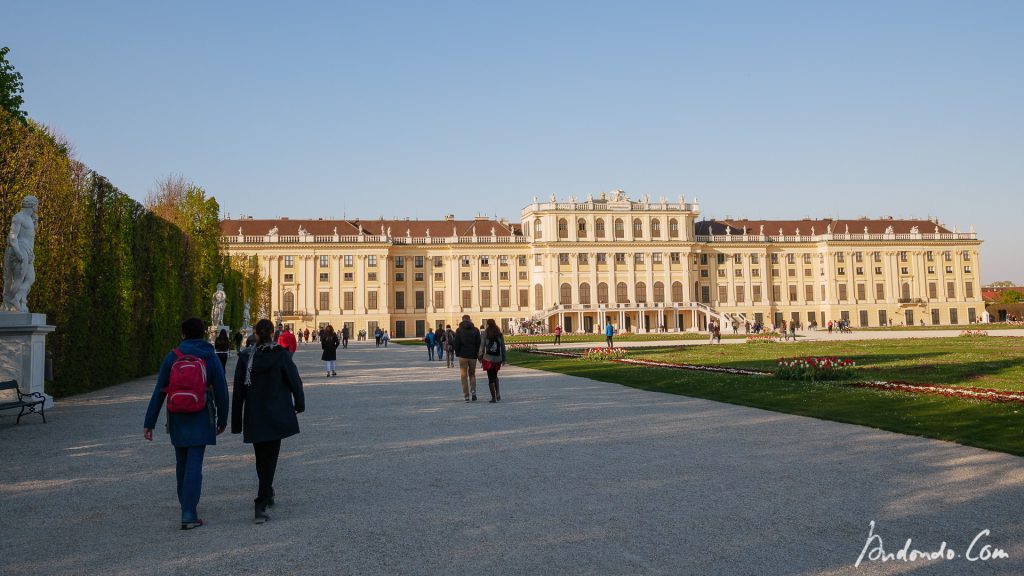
[
  {"x": 986, "y": 362},
  {"x": 990, "y": 326}
]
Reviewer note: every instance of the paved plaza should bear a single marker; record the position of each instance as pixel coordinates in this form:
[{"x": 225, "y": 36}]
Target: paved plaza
[{"x": 394, "y": 474}]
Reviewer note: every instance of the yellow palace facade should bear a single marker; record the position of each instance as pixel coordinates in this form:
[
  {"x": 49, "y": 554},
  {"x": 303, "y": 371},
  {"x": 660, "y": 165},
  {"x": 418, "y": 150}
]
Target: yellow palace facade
[{"x": 641, "y": 265}]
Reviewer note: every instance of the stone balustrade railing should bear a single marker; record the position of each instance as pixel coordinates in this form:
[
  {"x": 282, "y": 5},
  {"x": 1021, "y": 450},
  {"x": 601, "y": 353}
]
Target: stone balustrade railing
[
  {"x": 367, "y": 238},
  {"x": 833, "y": 237}
]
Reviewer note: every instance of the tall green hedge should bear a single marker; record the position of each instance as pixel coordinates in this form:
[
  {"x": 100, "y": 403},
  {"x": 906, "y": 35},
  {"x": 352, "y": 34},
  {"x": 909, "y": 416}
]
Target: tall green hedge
[{"x": 114, "y": 279}]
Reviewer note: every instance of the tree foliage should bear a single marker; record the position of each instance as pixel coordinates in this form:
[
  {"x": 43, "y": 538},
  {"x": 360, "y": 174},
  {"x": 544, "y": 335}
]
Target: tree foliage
[
  {"x": 11, "y": 88},
  {"x": 1010, "y": 297},
  {"x": 115, "y": 278}
]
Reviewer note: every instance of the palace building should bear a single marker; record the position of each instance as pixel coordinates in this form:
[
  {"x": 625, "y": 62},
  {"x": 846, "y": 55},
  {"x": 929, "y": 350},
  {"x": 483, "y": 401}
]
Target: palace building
[{"x": 641, "y": 265}]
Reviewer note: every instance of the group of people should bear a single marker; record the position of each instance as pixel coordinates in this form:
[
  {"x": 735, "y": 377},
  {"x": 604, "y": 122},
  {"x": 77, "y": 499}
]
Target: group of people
[
  {"x": 470, "y": 345},
  {"x": 381, "y": 337},
  {"x": 267, "y": 397},
  {"x": 842, "y": 326}
]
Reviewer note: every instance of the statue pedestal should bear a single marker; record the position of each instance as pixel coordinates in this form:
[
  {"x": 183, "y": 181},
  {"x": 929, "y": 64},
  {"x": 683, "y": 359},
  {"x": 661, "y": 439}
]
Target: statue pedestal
[{"x": 23, "y": 350}]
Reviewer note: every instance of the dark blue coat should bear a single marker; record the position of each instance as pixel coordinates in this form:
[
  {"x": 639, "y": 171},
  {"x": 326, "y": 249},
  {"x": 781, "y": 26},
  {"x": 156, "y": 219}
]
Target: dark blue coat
[
  {"x": 196, "y": 429},
  {"x": 264, "y": 410}
]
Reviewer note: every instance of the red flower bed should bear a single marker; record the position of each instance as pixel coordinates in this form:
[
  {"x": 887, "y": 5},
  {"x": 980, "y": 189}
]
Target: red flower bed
[{"x": 814, "y": 368}]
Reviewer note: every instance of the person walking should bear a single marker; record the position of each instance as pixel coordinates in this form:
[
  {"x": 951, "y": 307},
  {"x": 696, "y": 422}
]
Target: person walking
[
  {"x": 429, "y": 339},
  {"x": 238, "y": 341},
  {"x": 191, "y": 432},
  {"x": 377, "y": 334},
  {"x": 492, "y": 356},
  {"x": 344, "y": 336},
  {"x": 267, "y": 397},
  {"x": 329, "y": 343},
  {"x": 449, "y": 345},
  {"x": 558, "y": 335},
  {"x": 439, "y": 337},
  {"x": 792, "y": 331},
  {"x": 222, "y": 344},
  {"x": 287, "y": 340},
  {"x": 467, "y": 348},
  {"x": 609, "y": 335},
  {"x": 386, "y": 338}
]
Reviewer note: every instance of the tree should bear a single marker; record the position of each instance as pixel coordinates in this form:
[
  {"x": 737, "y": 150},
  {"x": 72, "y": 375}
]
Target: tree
[
  {"x": 1002, "y": 284},
  {"x": 1011, "y": 297},
  {"x": 11, "y": 88}
]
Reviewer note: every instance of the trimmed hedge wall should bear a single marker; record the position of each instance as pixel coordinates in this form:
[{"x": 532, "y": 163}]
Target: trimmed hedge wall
[{"x": 114, "y": 279}]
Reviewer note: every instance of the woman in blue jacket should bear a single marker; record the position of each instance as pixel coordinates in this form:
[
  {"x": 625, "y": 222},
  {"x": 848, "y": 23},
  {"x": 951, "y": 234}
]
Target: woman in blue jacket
[{"x": 191, "y": 433}]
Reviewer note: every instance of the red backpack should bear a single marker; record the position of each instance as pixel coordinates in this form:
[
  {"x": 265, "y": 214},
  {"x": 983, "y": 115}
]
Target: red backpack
[{"x": 186, "y": 388}]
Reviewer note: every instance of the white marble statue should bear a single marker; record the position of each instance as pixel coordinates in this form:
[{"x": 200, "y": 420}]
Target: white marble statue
[
  {"x": 220, "y": 300},
  {"x": 19, "y": 257},
  {"x": 914, "y": 230},
  {"x": 246, "y": 317},
  {"x": 273, "y": 231},
  {"x": 760, "y": 231}
]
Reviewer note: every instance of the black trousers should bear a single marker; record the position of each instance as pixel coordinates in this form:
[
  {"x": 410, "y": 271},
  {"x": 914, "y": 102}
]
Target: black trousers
[{"x": 266, "y": 466}]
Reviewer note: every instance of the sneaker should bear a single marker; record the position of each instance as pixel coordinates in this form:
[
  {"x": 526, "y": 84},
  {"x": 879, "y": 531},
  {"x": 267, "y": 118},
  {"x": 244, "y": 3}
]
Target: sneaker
[
  {"x": 191, "y": 525},
  {"x": 474, "y": 397},
  {"x": 499, "y": 397},
  {"x": 333, "y": 373},
  {"x": 466, "y": 398},
  {"x": 492, "y": 401}
]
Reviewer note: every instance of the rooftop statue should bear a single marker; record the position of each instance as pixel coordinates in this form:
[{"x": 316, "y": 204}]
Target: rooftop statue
[
  {"x": 273, "y": 231},
  {"x": 19, "y": 257},
  {"x": 914, "y": 230}
]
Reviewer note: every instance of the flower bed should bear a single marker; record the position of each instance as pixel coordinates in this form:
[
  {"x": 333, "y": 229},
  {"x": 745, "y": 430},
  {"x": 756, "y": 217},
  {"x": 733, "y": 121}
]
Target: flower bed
[
  {"x": 987, "y": 394},
  {"x": 698, "y": 367},
  {"x": 522, "y": 347},
  {"x": 974, "y": 333},
  {"x": 814, "y": 368},
  {"x": 763, "y": 338},
  {"x": 604, "y": 354}
]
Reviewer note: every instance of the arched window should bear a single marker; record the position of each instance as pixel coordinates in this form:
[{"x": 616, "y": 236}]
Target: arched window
[
  {"x": 581, "y": 228},
  {"x": 585, "y": 293},
  {"x": 673, "y": 228},
  {"x": 565, "y": 294},
  {"x": 563, "y": 228},
  {"x": 641, "y": 292},
  {"x": 289, "y": 302},
  {"x": 538, "y": 297},
  {"x": 659, "y": 292},
  {"x": 602, "y": 293},
  {"x": 656, "y": 228},
  {"x": 638, "y": 228},
  {"x": 621, "y": 293},
  {"x": 677, "y": 291},
  {"x": 906, "y": 291},
  {"x": 620, "y": 228},
  {"x": 599, "y": 228},
  {"x": 537, "y": 229}
]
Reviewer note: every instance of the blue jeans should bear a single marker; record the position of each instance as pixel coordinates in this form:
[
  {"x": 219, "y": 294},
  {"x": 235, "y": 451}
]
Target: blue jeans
[
  {"x": 440, "y": 352},
  {"x": 190, "y": 479},
  {"x": 430, "y": 351}
]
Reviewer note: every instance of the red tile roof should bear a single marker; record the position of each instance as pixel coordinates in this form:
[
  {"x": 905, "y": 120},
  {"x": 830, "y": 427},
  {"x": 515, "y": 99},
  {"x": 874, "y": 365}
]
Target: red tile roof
[
  {"x": 821, "y": 226},
  {"x": 415, "y": 228}
]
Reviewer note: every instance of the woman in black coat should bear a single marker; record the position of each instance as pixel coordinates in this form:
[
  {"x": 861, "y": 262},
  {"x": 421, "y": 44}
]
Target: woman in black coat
[
  {"x": 266, "y": 382},
  {"x": 329, "y": 342}
]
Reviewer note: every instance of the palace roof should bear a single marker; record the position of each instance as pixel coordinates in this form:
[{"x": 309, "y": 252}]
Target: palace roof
[
  {"x": 350, "y": 227},
  {"x": 820, "y": 226}
]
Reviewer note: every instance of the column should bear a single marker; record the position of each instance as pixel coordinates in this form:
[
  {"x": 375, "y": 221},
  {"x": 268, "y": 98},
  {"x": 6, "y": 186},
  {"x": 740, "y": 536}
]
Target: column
[{"x": 274, "y": 267}]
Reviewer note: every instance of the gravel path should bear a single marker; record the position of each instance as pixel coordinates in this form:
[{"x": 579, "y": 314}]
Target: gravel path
[{"x": 394, "y": 474}]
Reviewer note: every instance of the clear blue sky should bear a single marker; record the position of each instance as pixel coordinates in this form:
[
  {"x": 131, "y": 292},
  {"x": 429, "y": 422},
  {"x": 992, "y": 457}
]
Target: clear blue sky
[{"x": 760, "y": 109}]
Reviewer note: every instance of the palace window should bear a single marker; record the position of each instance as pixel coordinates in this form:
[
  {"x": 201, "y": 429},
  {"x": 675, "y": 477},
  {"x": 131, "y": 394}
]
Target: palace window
[
  {"x": 931, "y": 269},
  {"x": 467, "y": 298},
  {"x": 860, "y": 271},
  {"x": 602, "y": 258},
  {"x": 538, "y": 260},
  {"x": 348, "y": 276},
  {"x": 524, "y": 297},
  {"x": 776, "y": 292},
  {"x": 878, "y": 270},
  {"x": 620, "y": 228},
  {"x": 967, "y": 256},
  {"x": 418, "y": 262},
  {"x": 523, "y": 275},
  {"x": 862, "y": 292},
  {"x": 858, "y": 257},
  {"x": 840, "y": 257},
  {"x": 565, "y": 293},
  {"x": 563, "y": 258},
  {"x": 950, "y": 290},
  {"x": 677, "y": 291},
  {"x": 656, "y": 258},
  {"x": 537, "y": 229},
  {"x": 723, "y": 294},
  {"x": 347, "y": 260},
  {"x": 721, "y": 272},
  {"x": 949, "y": 269},
  {"x": 505, "y": 299},
  {"x": 371, "y": 276},
  {"x": 503, "y": 275},
  {"x": 371, "y": 261},
  {"x": 737, "y": 259},
  {"x": 638, "y": 228},
  {"x": 904, "y": 257},
  {"x": 289, "y": 261},
  {"x": 325, "y": 301},
  {"x": 929, "y": 256},
  {"x": 324, "y": 261},
  {"x": 947, "y": 256},
  {"x": 673, "y": 228},
  {"x": 880, "y": 291},
  {"x": 466, "y": 276},
  {"x": 418, "y": 277},
  {"x": 399, "y": 276},
  {"x": 933, "y": 290},
  {"x": 791, "y": 259},
  {"x": 371, "y": 299},
  {"x": 438, "y": 299},
  {"x": 438, "y": 261},
  {"x": 538, "y": 297},
  {"x": 399, "y": 261},
  {"x": 465, "y": 261},
  {"x": 720, "y": 258},
  {"x": 503, "y": 260},
  {"x": 485, "y": 275},
  {"x": 289, "y": 277},
  {"x": 792, "y": 292},
  {"x": 904, "y": 270},
  {"x": 755, "y": 272},
  {"x": 438, "y": 276},
  {"x": 563, "y": 228},
  {"x": 703, "y": 259},
  {"x": 877, "y": 256},
  {"x": 521, "y": 260},
  {"x": 755, "y": 293},
  {"x": 674, "y": 257},
  {"x": 775, "y": 258},
  {"x": 809, "y": 292},
  {"x": 485, "y": 260},
  {"x": 754, "y": 259},
  {"x": 583, "y": 258},
  {"x": 400, "y": 300},
  {"x": 739, "y": 272},
  {"x": 420, "y": 300},
  {"x": 584, "y": 293},
  {"x": 638, "y": 258},
  {"x": 620, "y": 257},
  {"x": 349, "y": 300},
  {"x": 969, "y": 290},
  {"x": 740, "y": 295},
  {"x": 656, "y": 228},
  {"x": 599, "y": 228},
  {"x": 703, "y": 272},
  {"x": 621, "y": 293},
  {"x": 581, "y": 228},
  {"x": 485, "y": 298},
  {"x": 641, "y": 292},
  {"x": 324, "y": 277},
  {"x": 967, "y": 269}
]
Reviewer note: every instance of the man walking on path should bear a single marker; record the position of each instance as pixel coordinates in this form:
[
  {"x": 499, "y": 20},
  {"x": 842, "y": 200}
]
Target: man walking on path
[
  {"x": 287, "y": 340},
  {"x": 191, "y": 432},
  {"x": 558, "y": 334},
  {"x": 609, "y": 334},
  {"x": 467, "y": 348},
  {"x": 429, "y": 339},
  {"x": 344, "y": 336}
]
